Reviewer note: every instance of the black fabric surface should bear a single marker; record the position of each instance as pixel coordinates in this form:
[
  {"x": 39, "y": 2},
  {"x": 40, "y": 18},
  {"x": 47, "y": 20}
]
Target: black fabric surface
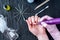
[{"x": 21, "y": 26}]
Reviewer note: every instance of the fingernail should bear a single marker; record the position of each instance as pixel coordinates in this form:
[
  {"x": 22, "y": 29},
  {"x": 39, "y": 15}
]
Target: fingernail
[
  {"x": 43, "y": 24},
  {"x": 30, "y": 22},
  {"x": 34, "y": 23}
]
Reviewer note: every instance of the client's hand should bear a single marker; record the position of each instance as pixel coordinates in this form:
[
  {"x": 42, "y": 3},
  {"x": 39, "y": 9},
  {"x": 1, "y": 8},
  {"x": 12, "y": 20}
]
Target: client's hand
[{"x": 36, "y": 29}]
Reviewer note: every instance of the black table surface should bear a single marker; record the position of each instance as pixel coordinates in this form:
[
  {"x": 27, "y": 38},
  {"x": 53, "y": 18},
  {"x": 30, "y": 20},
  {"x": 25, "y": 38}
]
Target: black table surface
[{"x": 17, "y": 22}]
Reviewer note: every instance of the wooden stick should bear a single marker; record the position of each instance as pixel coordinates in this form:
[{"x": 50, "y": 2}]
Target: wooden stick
[{"x": 41, "y": 4}]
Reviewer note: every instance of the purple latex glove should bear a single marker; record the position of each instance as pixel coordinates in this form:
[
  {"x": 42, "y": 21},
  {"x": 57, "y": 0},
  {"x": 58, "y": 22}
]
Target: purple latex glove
[{"x": 52, "y": 29}]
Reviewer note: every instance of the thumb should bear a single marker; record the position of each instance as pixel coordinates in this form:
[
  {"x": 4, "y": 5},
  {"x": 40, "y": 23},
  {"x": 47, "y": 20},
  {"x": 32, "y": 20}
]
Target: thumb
[{"x": 44, "y": 24}]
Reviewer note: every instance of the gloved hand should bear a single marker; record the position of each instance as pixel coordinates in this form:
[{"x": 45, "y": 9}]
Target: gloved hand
[
  {"x": 7, "y": 32},
  {"x": 3, "y": 24},
  {"x": 52, "y": 29}
]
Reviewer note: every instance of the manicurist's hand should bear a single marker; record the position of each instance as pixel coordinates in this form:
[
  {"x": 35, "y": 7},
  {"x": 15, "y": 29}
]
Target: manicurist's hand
[{"x": 52, "y": 29}]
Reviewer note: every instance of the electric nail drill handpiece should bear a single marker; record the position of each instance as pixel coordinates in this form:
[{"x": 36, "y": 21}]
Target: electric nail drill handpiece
[{"x": 52, "y": 21}]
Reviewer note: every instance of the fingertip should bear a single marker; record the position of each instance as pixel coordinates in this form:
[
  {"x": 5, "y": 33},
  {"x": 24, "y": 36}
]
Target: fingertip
[
  {"x": 26, "y": 20},
  {"x": 36, "y": 19},
  {"x": 33, "y": 19},
  {"x": 29, "y": 19},
  {"x": 28, "y": 23},
  {"x": 43, "y": 24},
  {"x": 36, "y": 16}
]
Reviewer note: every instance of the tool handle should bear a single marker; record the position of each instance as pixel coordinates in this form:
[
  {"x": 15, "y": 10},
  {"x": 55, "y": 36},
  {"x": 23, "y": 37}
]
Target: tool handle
[{"x": 52, "y": 21}]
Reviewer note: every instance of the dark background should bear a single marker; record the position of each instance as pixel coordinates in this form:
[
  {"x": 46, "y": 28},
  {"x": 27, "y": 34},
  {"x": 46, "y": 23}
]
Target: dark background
[{"x": 21, "y": 26}]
